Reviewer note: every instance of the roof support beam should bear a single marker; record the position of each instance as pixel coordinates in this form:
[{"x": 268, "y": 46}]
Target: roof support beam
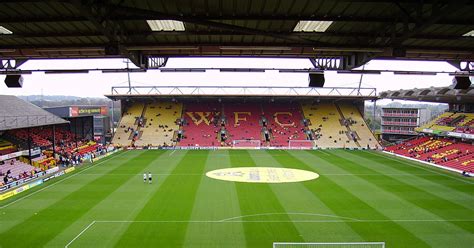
[
  {"x": 97, "y": 15},
  {"x": 141, "y": 35},
  {"x": 250, "y": 17}
]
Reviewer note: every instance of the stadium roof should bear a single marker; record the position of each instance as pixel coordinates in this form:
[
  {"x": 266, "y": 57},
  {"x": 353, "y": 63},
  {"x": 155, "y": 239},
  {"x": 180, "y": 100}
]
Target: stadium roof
[
  {"x": 433, "y": 94},
  {"x": 357, "y": 30},
  {"x": 232, "y": 92},
  {"x": 16, "y": 113}
]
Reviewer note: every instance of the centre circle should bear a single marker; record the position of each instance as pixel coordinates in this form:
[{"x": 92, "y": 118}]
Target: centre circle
[{"x": 262, "y": 175}]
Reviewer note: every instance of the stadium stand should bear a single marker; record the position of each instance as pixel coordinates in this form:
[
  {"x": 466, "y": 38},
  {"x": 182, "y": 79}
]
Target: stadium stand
[
  {"x": 250, "y": 124},
  {"x": 285, "y": 123},
  {"x": 128, "y": 124},
  {"x": 159, "y": 124},
  {"x": 243, "y": 121},
  {"x": 451, "y": 122},
  {"x": 440, "y": 151},
  {"x": 201, "y": 124},
  {"x": 16, "y": 168},
  {"x": 36, "y": 136},
  {"x": 466, "y": 125},
  {"x": 324, "y": 121},
  {"x": 355, "y": 123},
  {"x": 42, "y": 136},
  {"x": 6, "y": 147}
]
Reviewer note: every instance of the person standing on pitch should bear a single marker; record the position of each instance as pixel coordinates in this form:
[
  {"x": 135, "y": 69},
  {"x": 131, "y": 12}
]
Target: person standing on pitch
[
  {"x": 149, "y": 177},
  {"x": 144, "y": 177}
]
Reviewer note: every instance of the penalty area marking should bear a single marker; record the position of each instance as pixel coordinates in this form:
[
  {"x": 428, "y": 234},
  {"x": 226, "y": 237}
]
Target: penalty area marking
[
  {"x": 232, "y": 220},
  {"x": 77, "y": 236}
]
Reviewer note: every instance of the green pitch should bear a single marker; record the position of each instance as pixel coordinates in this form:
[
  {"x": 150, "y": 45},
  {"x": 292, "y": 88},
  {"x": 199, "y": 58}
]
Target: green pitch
[{"x": 359, "y": 196}]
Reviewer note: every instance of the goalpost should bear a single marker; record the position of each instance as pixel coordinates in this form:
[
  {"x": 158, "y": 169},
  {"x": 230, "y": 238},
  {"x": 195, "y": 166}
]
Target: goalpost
[
  {"x": 300, "y": 144},
  {"x": 246, "y": 143},
  {"x": 330, "y": 245}
]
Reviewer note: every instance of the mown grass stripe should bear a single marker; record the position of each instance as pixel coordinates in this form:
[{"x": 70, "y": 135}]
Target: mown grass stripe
[
  {"x": 441, "y": 234},
  {"x": 442, "y": 208},
  {"x": 174, "y": 200},
  {"x": 123, "y": 204},
  {"x": 387, "y": 166},
  {"x": 55, "y": 218},
  {"x": 301, "y": 205},
  {"x": 343, "y": 202},
  {"x": 445, "y": 177},
  {"x": 215, "y": 200},
  {"x": 51, "y": 192},
  {"x": 78, "y": 171},
  {"x": 257, "y": 198}
]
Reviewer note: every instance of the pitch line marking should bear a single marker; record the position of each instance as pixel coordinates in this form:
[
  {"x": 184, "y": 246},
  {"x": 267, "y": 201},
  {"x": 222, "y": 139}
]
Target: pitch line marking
[
  {"x": 273, "y": 221},
  {"x": 289, "y": 213},
  {"x": 78, "y": 173},
  {"x": 405, "y": 161},
  {"x": 200, "y": 174},
  {"x": 171, "y": 153},
  {"x": 349, "y": 220},
  {"x": 77, "y": 236}
]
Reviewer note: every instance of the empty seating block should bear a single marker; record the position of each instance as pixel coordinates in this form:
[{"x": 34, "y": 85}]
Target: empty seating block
[
  {"x": 243, "y": 121},
  {"x": 324, "y": 120},
  {"x": 128, "y": 120},
  {"x": 366, "y": 137},
  {"x": 457, "y": 155},
  {"x": 285, "y": 123},
  {"x": 202, "y": 124},
  {"x": 16, "y": 168},
  {"x": 160, "y": 124}
]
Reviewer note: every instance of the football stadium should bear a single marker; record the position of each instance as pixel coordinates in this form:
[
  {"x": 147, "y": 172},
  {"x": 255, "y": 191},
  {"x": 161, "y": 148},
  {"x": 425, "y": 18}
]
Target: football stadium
[{"x": 250, "y": 165}]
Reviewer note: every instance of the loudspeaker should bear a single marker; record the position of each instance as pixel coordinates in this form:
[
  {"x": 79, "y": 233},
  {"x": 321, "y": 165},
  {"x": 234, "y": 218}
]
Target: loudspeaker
[
  {"x": 461, "y": 83},
  {"x": 316, "y": 79},
  {"x": 14, "y": 81}
]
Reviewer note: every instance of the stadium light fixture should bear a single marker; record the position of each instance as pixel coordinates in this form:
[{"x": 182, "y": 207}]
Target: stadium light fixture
[
  {"x": 469, "y": 34},
  {"x": 165, "y": 25},
  {"x": 4, "y": 30},
  {"x": 312, "y": 26}
]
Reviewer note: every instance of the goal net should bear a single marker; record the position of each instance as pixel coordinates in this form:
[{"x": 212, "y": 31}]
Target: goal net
[
  {"x": 330, "y": 245},
  {"x": 246, "y": 143},
  {"x": 300, "y": 144}
]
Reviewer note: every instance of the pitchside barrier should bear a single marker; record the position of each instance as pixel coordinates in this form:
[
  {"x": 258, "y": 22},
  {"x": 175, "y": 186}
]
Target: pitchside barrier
[{"x": 330, "y": 245}]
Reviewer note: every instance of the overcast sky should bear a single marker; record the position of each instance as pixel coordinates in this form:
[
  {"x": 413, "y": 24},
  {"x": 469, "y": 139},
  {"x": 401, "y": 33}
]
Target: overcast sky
[{"x": 96, "y": 84}]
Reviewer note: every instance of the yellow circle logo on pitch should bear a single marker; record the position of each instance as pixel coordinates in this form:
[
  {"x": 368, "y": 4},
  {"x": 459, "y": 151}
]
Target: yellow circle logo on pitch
[{"x": 262, "y": 175}]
